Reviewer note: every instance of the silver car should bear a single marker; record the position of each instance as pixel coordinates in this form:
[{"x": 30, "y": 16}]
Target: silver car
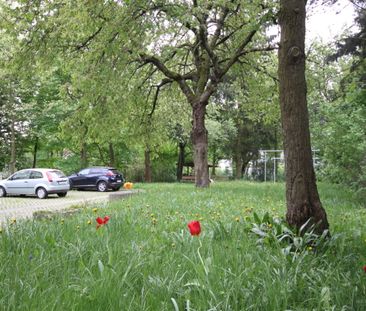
[{"x": 35, "y": 181}]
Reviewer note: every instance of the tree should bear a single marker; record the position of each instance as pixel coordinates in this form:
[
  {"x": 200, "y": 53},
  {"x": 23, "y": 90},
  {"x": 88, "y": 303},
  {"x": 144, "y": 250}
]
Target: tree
[
  {"x": 210, "y": 40},
  {"x": 303, "y": 202},
  {"x": 192, "y": 44}
]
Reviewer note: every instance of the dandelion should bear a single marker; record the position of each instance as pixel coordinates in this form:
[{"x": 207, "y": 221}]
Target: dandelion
[
  {"x": 13, "y": 221},
  {"x": 94, "y": 209},
  {"x": 89, "y": 222},
  {"x": 194, "y": 227},
  {"x": 237, "y": 219},
  {"x": 310, "y": 248}
]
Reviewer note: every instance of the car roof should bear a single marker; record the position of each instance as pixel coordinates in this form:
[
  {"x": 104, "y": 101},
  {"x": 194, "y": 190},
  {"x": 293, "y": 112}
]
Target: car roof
[
  {"x": 104, "y": 167},
  {"x": 38, "y": 169}
]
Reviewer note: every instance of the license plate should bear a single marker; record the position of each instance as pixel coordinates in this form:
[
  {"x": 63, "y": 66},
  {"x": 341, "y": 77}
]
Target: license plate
[{"x": 119, "y": 180}]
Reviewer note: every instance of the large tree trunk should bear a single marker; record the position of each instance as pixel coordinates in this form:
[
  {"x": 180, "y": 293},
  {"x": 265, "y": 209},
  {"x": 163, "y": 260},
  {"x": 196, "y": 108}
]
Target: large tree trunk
[
  {"x": 180, "y": 165},
  {"x": 148, "y": 173},
  {"x": 200, "y": 145},
  {"x": 238, "y": 166},
  {"x": 303, "y": 202}
]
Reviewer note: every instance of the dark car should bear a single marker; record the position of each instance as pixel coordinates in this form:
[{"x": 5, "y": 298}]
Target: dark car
[{"x": 99, "y": 178}]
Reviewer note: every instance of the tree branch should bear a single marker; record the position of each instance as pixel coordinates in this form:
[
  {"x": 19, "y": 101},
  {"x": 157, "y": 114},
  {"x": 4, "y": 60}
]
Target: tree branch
[
  {"x": 88, "y": 40},
  {"x": 238, "y": 52},
  {"x": 155, "y": 100}
]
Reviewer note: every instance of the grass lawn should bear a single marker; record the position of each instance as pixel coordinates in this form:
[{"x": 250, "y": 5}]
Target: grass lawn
[{"x": 144, "y": 258}]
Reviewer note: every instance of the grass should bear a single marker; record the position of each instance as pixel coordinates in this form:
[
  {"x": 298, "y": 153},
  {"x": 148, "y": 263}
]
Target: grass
[{"x": 145, "y": 258}]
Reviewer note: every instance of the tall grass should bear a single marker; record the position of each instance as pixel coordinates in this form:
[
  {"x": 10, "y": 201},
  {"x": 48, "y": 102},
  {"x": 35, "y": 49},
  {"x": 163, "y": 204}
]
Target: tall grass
[{"x": 145, "y": 258}]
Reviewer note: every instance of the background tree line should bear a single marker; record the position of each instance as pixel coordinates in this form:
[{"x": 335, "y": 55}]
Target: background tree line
[{"x": 79, "y": 87}]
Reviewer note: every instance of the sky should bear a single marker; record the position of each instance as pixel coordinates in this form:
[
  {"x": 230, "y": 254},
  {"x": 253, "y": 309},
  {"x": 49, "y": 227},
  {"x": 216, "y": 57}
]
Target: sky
[{"x": 328, "y": 22}]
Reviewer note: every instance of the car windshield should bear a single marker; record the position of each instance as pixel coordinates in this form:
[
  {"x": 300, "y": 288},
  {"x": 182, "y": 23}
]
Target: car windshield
[{"x": 57, "y": 174}]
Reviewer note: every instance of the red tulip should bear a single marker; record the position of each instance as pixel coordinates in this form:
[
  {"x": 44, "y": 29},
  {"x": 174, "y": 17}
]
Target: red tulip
[
  {"x": 194, "y": 227},
  {"x": 102, "y": 221},
  {"x": 364, "y": 268}
]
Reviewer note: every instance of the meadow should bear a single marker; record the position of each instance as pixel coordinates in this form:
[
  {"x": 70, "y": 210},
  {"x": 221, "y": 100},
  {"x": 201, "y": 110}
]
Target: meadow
[{"x": 145, "y": 258}]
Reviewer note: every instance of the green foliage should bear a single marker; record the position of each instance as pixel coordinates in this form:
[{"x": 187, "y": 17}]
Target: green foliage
[
  {"x": 275, "y": 231},
  {"x": 145, "y": 258},
  {"x": 337, "y": 102}
]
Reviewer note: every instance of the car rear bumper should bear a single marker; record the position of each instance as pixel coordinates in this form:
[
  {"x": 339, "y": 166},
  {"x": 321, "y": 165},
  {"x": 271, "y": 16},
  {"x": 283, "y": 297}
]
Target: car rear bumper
[
  {"x": 59, "y": 188},
  {"x": 115, "y": 184}
]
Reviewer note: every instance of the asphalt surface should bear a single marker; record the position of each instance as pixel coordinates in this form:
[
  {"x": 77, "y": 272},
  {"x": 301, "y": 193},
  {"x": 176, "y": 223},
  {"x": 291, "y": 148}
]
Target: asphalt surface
[{"x": 24, "y": 207}]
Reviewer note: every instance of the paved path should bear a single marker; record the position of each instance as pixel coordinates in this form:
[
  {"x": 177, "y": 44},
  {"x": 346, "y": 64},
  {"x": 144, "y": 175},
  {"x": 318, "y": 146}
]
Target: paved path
[{"x": 24, "y": 207}]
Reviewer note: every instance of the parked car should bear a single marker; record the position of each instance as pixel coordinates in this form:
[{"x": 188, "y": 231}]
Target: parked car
[
  {"x": 99, "y": 178},
  {"x": 35, "y": 181}
]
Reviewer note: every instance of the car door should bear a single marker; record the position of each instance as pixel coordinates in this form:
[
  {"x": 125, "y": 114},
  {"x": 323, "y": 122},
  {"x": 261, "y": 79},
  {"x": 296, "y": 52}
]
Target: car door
[
  {"x": 18, "y": 183},
  {"x": 94, "y": 176},
  {"x": 35, "y": 178},
  {"x": 81, "y": 178}
]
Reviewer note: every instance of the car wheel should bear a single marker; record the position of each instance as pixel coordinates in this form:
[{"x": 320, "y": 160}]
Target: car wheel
[
  {"x": 2, "y": 192},
  {"x": 41, "y": 193},
  {"x": 62, "y": 194},
  {"x": 102, "y": 186}
]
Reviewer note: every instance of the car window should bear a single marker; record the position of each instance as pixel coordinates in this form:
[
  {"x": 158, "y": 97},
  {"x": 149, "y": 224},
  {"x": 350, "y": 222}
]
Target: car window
[
  {"x": 35, "y": 175},
  {"x": 57, "y": 174},
  {"x": 21, "y": 175},
  {"x": 84, "y": 172},
  {"x": 96, "y": 171}
]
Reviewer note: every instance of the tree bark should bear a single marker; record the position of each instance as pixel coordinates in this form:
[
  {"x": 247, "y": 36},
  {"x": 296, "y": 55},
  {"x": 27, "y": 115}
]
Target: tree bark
[
  {"x": 303, "y": 202},
  {"x": 13, "y": 147},
  {"x": 200, "y": 144},
  {"x": 112, "y": 159},
  {"x": 83, "y": 156},
  {"x": 238, "y": 166},
  {"x": 214, "y": 160},
  {"x": 181, "y": 157},
  {"x": 35, "y": 150},
  {"x": 148, "y": 173},
  {"x": 238, "y": 159}
]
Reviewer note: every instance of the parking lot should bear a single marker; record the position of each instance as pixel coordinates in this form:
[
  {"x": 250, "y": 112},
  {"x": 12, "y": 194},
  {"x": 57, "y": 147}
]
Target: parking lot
[{"x": 24, "y": 207}]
